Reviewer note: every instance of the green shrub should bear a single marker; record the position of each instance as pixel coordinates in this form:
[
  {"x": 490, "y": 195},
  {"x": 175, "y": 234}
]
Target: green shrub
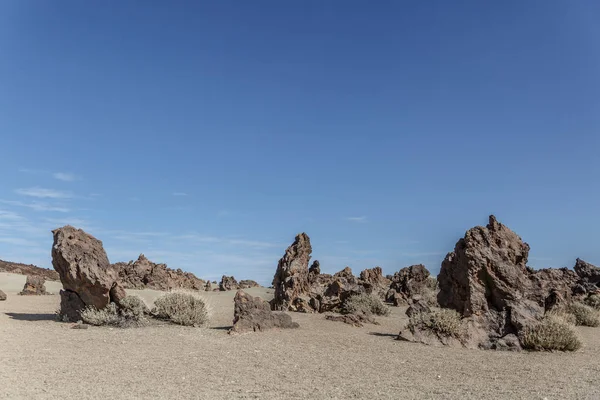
[
  {"x": 593, "y": 301},
  {"x": 552, "y": 333},
  {"x": 367, "y": 304},
  {"x": 181, "y": 308},
  {"x": 445, "y": 322},
  {"x": 584, "y": 314},
  {"x": 131, "y": 312}
]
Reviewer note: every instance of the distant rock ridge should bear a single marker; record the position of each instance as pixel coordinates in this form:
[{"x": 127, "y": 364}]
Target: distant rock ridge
[
  {"x": 28, "y": 269},
  {"x": 144, "y": 274}
]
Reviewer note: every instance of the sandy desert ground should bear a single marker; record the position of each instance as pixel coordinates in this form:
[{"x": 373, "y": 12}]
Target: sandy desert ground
[{"x": 44, "y": 359}]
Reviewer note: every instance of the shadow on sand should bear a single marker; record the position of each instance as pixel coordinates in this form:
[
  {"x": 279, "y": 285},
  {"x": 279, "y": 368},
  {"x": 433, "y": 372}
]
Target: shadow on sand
[
  {"x": 222, "y": 328},
  {"x": 392, "y": 335},
  {"x": 32, "y": 317}
]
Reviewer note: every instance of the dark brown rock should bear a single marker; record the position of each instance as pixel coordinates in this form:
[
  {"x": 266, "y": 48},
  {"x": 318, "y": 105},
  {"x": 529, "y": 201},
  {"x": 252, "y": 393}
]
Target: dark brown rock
[
  {"x": 418, "y": 305},
  {"x": 85, "y": 272},
  {"x": 486, "y": 270},
  {"x": 253, "y": 314},
  {"x": 410, "y": 281},
  {"x": 357, "y": 320},
  {"x": 144, "y": 274},
  {"x": 589, "y": 276},
  {"x": 314, "y": 271},
  {"x": 246, "y": 284},
  {"x": 291, "y": 278},
  {"x": 487, "y": 281},
  {"x": 208, "y": 287},
  {"x": 2, "y": 296},
  {"x": 374, "y": 281},
  {"x": 34, "y": 286},
  {"x": 71, "y": 306},
  {"x": 548, "y": 280},
  {"x": 228, "y": 283}
]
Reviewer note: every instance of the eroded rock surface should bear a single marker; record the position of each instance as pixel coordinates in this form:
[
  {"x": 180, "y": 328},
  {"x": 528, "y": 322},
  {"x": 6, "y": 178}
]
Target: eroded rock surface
[
  {"x": 87, "y": 276},
  {"x": 145, "y": 274},
  {"x": 253, "y": 314},
  {"x": 34, "y": 286}
]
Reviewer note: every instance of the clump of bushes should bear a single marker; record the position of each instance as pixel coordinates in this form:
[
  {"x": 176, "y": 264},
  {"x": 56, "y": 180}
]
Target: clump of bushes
[
  {"x": 552, "y": 333},
  {"x": 367, "y": 304},
  {"x": 584, "y": 314},
  {"x": 181, "y": 308},
  {"x": 593, "y": 301},
  {"x": 444, "y": 323},
  {"x": 132, "y": 311}
]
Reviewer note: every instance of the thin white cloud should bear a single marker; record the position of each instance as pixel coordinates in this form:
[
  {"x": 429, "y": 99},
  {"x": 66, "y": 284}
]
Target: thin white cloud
[
  {"x": 356, "y": 219},
  {"x": 9, "y": 215},
  {"x": 65, "y": 176},
  {"x": 37, "y": 206},
  {"x": 179, "y": 194},
  {"x": 15, "y": 241},
  {"x": 44, "y": 193}
]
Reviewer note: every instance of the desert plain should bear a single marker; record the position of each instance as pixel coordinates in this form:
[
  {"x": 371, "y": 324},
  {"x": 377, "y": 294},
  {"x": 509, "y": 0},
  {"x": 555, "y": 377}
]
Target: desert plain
[{"x": 41, "y": 358}]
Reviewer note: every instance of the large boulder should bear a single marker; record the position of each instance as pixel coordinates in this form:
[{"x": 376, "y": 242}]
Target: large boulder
[
  {"x": 253, "y": 314},
  {"x": 486, "y": 270},
  {"x": 329, "y": 293},
  {"x": 208, "y": 287},
  {"x": 34, "y": 286},
  {"x": 589, "y": 277},
  {"x": 144, "y": 274},
  {"x": 291, "y": 278},
  {"x": 247, "y": 283},
  {"x": 487, "y": 281},
  {"x": 374, "y": 281},
  {"x": 228, "y": 283},
  {"x": 548, "y": 280},
  {"x": 408, "y": 282},
  {"x": 87, "y": 276}
]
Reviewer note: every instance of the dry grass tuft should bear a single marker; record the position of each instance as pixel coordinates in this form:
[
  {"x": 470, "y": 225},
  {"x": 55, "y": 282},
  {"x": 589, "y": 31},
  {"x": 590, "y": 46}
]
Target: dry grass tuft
[
  {"x": 445, "y": 322},
  {"x": 593, "y": 301},
  {"x": 552, "y": 333},
  {"x": 132, "y": 312},
  {"x": 584, "y": 314},
  {"x": 182, "y": 308},
  {"x": 365, "y": 304}
]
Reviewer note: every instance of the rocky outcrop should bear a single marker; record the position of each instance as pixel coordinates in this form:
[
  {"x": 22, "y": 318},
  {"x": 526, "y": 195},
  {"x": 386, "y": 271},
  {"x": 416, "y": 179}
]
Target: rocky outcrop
[
  {"x": 291, "y": 278},
  {"x": 253, "y": 314},
  {"x": 374, "y": 282},
  {"x": 487, "y": 281},
  {"x": 208, "y": 287},
  {"x": 28, "y": 269},
  {"x": 589, "y": 278},
  {"x": 2, "y": 296},
  {"x": 87, "y": 276},
  {"x": 408, "y": 282},
  {"x": 228, "y": 283},
  {"x": 314, "y": 271},
  {"x": 247, "y": 283},
  {"x": 144, "y": 274},
  {"x": 548, "y": 280},
  {"x": 34, "y": 286}
]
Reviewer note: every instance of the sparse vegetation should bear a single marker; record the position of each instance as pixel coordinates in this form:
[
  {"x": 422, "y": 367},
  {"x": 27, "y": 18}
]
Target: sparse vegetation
[
  {"x": 593, "y": 301},
  {"x": 584, "y": 314},
  {"x": 182, "y": 308},
  {"x": 445, "y": 322},
  {"x": 367, "y": 304},
  {"x": 552, "y": 333},
  {"x": 132, "y": 312}
]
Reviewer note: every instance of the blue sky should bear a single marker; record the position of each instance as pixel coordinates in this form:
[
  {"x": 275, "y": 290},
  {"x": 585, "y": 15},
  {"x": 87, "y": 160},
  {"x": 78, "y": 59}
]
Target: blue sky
[{"x": 207, "y": 134}]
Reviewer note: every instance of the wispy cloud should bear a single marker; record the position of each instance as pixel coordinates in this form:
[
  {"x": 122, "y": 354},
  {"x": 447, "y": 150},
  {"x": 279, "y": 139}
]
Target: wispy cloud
[
  {"x": 65, "y": 176},
  {"x": 179, "y": 194},
  {"x": 44, "y": 193},
  {"x": 37, "y": 206},
  {"x": 15, "y": 241},
  {"x": 356, "y": 219}
]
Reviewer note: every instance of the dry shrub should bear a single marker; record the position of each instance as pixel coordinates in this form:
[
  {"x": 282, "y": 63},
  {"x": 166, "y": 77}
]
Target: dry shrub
[
  {"x": 367, "y": 304},
  {"x": 445, "y": 322},
  {"x": 182, "y": 308},
  {"x": 584, "y": 314},
  {"x": 593, "y": 301},
  {"x": 563, "y": 314},
  {"x": 552, "y": 333},
  {"x": 131, "y": 312}
]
